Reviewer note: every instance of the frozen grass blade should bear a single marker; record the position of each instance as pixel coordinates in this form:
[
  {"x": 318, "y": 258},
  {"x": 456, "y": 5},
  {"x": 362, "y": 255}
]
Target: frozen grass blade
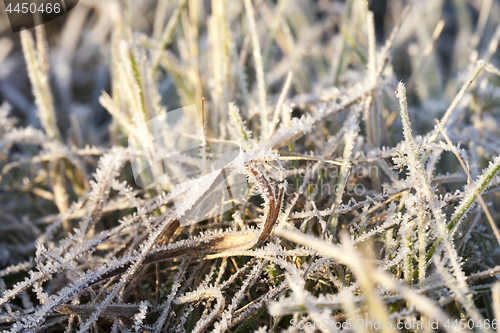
[
  {"x": 259, "y": 67},
  {"x": 281, "y": 100},
  {"x": 427, "y": 52},
  {"x": 478, "y": 68},
  {"x": 419, "y": 181},
  {"x": 320, "y": 226},
  {"x": 419, "y": 178},
  {"x": 167, "y": 35}
]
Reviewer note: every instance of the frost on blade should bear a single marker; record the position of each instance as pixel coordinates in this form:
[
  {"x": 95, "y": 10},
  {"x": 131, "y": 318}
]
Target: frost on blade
[
  {"x": 159, "y": 140},
  {"x": 174, "y": 155},
  {"x": 141, "y": 315},
  {"x": 470, "y": 193},
  {"x": 213, "y": 193}
]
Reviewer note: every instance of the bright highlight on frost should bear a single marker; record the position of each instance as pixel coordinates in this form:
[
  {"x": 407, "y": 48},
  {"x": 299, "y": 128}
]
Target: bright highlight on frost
[{"x": 170, "y": 152}]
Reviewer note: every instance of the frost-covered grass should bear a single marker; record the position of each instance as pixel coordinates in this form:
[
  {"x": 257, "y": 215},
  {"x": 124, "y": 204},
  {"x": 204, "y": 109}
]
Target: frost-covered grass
[{"x": 370, "y": 136}]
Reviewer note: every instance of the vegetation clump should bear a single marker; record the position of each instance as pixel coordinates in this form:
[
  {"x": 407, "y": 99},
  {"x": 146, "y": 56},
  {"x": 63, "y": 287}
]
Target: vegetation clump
[{"x": 369, "y": 136}]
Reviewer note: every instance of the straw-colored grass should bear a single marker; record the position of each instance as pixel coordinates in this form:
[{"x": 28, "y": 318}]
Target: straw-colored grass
[{"x": 360, "y": 204}]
